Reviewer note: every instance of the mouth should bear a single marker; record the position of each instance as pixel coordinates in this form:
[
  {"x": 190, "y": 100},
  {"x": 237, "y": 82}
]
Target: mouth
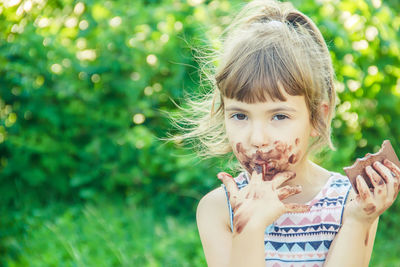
[
  {"x": 268, "y": 167},
  {"x": 269, "y": 161}
]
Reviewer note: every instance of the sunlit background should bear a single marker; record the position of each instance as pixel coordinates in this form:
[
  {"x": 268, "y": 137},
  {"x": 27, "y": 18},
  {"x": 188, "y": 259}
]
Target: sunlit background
[{"x": 84, "y": 88}]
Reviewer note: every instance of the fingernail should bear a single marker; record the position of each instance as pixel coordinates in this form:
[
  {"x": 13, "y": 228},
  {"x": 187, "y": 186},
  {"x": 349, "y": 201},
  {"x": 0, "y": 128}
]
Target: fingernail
[
  {"x": 291, "y": 175},
  {"x": 368, "y": 169},
  {"x": 386, "y": 161},
  {"x": 222, "y": 175},
  {"x": 299, "y": 188},
  {"x": 377, "y": 163}
]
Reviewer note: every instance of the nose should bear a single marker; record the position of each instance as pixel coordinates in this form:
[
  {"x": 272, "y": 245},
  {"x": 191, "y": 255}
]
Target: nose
[{"x": 258, "y": 136}]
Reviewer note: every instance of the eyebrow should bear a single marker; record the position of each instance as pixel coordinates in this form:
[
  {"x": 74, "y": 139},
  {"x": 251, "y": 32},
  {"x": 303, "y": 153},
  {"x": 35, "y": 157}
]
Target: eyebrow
[{"x": 273, "y": 110}]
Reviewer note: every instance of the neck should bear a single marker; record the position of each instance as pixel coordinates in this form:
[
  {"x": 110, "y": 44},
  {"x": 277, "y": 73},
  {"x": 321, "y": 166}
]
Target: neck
[
  {"x": 306, "y": 174},
  {"x": 311, "y": 178}
]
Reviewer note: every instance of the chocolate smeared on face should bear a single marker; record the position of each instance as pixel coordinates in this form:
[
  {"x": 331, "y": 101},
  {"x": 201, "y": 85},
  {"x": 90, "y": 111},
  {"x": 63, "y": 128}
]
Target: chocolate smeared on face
[
  {"x": 297, "y": 141},
  {"x": 270, "y": 162}
]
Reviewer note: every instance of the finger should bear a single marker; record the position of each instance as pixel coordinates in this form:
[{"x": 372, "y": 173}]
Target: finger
[
  {"x": 363, "y": 190},
  {"x": 393, "y": 167},
  {"x": 387, "y": 175},
  {"x": 375, "y": 178},
  {"x": 287, "y": 191},
  {"x": 383, "y": 171},
  {"x": 297, "y": 208},
  {"x": 236, "y": 207},
  {"x": 257, "y": 175},
  {"x": 282, "y": 177},
  {"x": 254, "y": 194},
  {"x": 239, "y": 222},
  {"x": 230, "y": 184},
  {"x": 395, "y": 170},
  {"x": 365, "y": 196}
]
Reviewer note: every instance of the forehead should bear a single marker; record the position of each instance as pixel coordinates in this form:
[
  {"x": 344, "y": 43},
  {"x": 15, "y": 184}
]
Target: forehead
[{"x": 291, "y": 104}]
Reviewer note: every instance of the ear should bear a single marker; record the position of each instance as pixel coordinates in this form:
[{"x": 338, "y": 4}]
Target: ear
[{"x": 324, "y": 109}]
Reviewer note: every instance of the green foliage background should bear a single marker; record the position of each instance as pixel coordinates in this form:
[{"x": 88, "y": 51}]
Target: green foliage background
[{"x": 85, "y": 86}]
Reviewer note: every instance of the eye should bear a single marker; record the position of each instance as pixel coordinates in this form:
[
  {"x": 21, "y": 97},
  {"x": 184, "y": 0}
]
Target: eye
[
  {"x": 279, "y": 117},
  {"x": 239, "y": 116}
]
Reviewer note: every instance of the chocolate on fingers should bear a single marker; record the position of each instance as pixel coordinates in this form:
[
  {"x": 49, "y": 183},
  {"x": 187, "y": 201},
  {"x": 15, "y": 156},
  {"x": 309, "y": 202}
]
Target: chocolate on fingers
[{"x": 359, "y": 167}]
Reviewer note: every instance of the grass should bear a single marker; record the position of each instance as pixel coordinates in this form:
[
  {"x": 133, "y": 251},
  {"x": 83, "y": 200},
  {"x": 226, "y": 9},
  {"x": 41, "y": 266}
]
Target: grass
[
  {"x": 115, "y": 234},
  {"x": 107, "y": 235}
]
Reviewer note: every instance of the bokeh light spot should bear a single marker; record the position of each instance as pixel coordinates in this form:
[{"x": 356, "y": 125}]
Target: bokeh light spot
[
  {"x": 79, "y": 8},
  {"x": 83, "y": 25},
  {"x": 135, "y": 76},
  {"x": 56, "y": 68},
  {"x": 71, "y": 22},
  {"x": 151, "y": 59},
  {"x": 372, "y": 70},
  {"x": 138, "y": 118},
  {"x": 115, "y": 22},
  {"x": 95, "y": 78},
  {"x": 148, "y": 91}
]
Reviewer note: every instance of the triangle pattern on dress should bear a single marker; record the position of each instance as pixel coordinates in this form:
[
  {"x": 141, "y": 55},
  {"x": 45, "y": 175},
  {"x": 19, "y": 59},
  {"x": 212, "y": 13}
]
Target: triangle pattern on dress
[
  {"x": 327, "y": 243},
  {"x": 290, "y": 245},
  {"x": 276, "y": 245},
  {"x": 305, "y": 221},
  {"x": 329, "y": 218},
  {"x": 302, "y": 245},
  {"x": 315, "y": 244},
  {"x": 287, "y": 221},
  {"x": 284, "y": 248},
  {"x": 317, "y": 219},
  {"x": 333, "y": 194}
]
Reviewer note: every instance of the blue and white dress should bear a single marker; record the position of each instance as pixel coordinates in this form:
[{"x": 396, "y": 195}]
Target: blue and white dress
[{"x": 303, "y": 239}]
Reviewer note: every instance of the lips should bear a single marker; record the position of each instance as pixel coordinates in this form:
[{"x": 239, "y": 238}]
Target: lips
[{"x": 276, "y": 159}]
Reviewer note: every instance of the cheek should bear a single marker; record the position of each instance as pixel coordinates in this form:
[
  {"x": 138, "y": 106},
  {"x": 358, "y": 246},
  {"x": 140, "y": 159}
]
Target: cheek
[
  {"x": 234, "y": 133},
  {"x": 300, "y": 147}
]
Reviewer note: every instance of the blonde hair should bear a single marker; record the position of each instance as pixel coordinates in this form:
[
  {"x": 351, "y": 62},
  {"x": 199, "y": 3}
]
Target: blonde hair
[{"x": 269, "y": 44}]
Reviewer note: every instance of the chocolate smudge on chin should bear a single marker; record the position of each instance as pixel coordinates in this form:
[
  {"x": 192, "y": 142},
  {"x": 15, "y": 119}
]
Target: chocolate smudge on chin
[{"x": 242, "y": 157}]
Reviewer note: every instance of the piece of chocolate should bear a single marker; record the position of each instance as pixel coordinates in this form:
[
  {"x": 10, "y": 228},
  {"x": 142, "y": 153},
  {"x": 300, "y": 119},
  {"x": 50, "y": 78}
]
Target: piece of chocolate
[{"x": 358, "y": 168}]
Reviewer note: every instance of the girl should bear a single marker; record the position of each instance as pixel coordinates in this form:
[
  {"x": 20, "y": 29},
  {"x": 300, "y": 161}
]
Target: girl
[{"x": 272, "y": 105}]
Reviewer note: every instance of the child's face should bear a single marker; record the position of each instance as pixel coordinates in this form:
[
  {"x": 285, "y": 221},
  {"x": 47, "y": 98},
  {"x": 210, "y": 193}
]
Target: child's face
[{"x": 269, "y": 136}]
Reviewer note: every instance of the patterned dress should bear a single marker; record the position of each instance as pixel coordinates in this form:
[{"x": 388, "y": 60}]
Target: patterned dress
[{"x": 303, "y": 239}]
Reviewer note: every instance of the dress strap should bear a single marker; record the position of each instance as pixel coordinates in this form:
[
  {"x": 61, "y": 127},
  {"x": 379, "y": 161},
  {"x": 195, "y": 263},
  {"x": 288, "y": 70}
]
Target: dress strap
[{"x": 229, "y": 207}]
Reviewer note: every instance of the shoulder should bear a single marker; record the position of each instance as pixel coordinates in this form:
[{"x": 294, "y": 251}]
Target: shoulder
[
  {"x": 213, "y": 224},
  {"x": 213, "y": 206}
]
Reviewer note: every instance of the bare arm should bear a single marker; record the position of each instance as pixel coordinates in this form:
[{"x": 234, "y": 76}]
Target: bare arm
[
  {"x": 213, "y": 223},
  {"x": 353, "y": 244}
]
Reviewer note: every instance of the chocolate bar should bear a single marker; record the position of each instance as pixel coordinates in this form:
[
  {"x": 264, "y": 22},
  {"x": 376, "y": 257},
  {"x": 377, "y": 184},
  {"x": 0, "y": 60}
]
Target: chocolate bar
[{"x": 358, "y": 168}]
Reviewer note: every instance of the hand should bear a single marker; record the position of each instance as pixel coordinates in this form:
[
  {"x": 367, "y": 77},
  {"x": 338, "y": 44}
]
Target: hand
[
  {"x": 369, "y": 204},
  {"x": 259, "y": 203}
]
